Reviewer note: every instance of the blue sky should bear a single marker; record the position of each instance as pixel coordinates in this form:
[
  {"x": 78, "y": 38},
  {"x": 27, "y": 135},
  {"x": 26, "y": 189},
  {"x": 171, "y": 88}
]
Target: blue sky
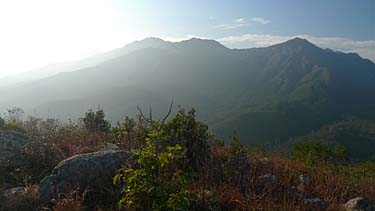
[
  {"x": 39, "y": 32},
  {"x": 339, "y": 18}
]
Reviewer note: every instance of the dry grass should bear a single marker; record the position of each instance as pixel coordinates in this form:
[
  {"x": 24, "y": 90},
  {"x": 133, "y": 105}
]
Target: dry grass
[
  {"x": 225, "y": 182},
  {"x": 69, "y": 202},
  {"x": 238, "y": 190}
]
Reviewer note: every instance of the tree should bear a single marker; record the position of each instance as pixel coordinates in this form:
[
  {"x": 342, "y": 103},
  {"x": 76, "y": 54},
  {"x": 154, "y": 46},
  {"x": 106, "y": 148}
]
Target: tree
[
  {"x": 95, "y": 121},
  {"x": 236, "y": 147}
]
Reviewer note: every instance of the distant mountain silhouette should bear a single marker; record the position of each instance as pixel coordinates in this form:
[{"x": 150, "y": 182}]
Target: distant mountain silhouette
[
  {"x": 268, "y": 95},
  {"x": 52, "y": 69}
]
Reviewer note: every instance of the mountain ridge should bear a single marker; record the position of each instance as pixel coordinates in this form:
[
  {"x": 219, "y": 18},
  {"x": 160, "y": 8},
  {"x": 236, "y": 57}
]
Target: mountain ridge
[{"x": 295, "y": 86}]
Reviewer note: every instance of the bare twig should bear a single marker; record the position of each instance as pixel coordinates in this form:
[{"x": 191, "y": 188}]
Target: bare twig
[
  {"x": 150, "y": 120},
  {"x": 166, "y": 116},
  {"x": 140, "y": 112},
  {"x": 150, "y": 114}
]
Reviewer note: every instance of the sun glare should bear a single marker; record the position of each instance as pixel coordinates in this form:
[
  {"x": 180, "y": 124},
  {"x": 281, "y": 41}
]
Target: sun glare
[{"x": 45, "y": 31}]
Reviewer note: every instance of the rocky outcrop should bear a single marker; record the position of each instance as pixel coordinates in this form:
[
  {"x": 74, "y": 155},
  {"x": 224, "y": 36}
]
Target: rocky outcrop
[
  {"x": 11, "y": 157},
  {"x": 13, "y": 192},
  {"x": 11, "y": 143},
  {"x": 2, "y": 122},
  {"x": 359, "y": 204},
  {"x": 87, "y": 173}
]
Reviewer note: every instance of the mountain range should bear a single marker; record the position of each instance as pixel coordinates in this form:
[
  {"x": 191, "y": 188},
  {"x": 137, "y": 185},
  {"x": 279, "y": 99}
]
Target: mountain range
[{"x": 269, "y": 96}]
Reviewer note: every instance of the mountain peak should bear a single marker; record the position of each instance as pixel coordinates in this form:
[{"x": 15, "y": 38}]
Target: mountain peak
[
  {"x": 151, "y": 41},
  {"x": 297, "y": 45},
  {"x": 299, "y": 42},
  {"x": 298, "y": 39},
  {"x": 199, "y": 42}
]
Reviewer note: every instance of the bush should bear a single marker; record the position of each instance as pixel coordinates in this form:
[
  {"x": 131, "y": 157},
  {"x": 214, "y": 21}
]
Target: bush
[
  {"x": 14, "y": 127},
  {"x": 315, "y": 152},
  {"x": 236, "y": 147},
  {"x": 14, "y": 116},
  {"x": 158, "y": 182},
  {"x": 95, "y": 121},
  {"x": 192, "y": 135},
  {"x": 130, "y": 134}
]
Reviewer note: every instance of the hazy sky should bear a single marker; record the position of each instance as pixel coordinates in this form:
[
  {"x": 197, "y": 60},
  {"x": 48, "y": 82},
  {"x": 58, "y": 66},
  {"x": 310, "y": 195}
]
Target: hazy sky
[{"x": 39, "y": 32}]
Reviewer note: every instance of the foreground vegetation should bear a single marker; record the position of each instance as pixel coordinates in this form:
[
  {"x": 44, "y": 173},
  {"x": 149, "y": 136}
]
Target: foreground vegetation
[{"x": 180, "y": 165}]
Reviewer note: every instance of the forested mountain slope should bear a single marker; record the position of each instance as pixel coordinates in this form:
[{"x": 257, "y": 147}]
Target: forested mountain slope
[{"x": 268, "y": 95}]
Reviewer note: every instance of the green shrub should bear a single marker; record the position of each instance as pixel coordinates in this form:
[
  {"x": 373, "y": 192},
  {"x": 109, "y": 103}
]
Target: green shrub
[
  {"x": 315, "y": 152},
  {"x": 95, "y": 121},
  {"x": 14, "y": 126},
  {"x": 236, "y": 147},
  {"x": 192, "y": 135},
  {"x": 157, "y": 182},
  {"x": 14, "y": 116},
  {"x": 129, "y": 134},
  {"x": 359, "y": 170}
]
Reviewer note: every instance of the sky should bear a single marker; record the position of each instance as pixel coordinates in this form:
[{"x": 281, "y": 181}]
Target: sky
[{"x": 40, "y": 32}]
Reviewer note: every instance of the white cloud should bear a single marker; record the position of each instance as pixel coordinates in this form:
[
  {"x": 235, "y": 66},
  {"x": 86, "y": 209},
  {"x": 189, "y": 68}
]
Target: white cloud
[
  {"x": 236, "y": 23},
  {"x": 240, "y": 20},
  {"x": 260, "y": 20},
  {"x": 365, "y": 48},
  {"x": 257, "y": 40}
]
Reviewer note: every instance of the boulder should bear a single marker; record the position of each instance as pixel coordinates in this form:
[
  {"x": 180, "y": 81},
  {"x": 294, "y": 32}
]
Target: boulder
[
  {"x": 86, "y": 173},
  {"x": 11, "y": 143},
  {"x": 2, "y": 122},
  {"x": 13, "y": 192},
  {"x": 359, "y": 204},
  {"x": 11, "y": 157}
]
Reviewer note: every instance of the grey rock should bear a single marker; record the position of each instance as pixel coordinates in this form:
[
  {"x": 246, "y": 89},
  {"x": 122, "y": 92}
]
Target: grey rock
[
  {"x": 359, "y": 204},
  {"x": 11, "y": 143},
  {"x": 12, "y": 158},
  {"x": 2, "y": 122},
  {"x": 92, "y": 171},
  {"x": 264, "y": 161},
  {"x": 10, "y": 193}
]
